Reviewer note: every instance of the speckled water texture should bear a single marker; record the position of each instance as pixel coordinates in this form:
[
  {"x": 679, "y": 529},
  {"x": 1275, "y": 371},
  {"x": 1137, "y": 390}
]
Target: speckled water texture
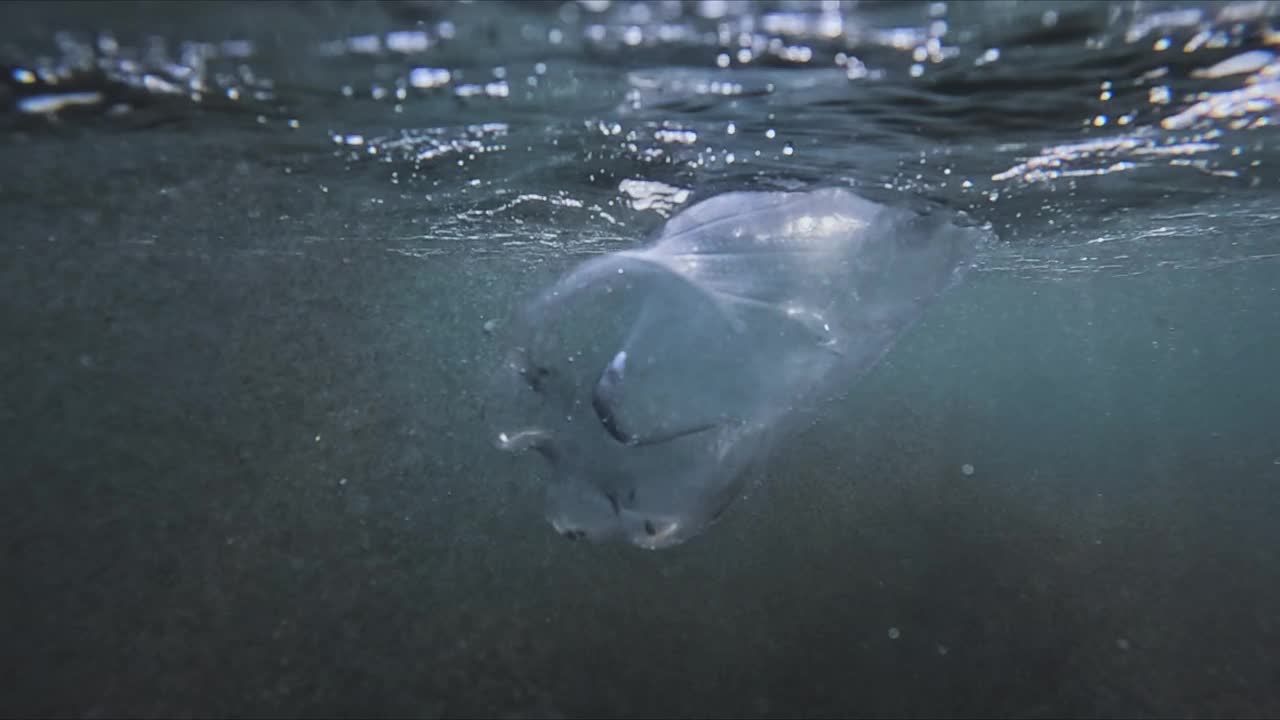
[{"x": 257, "y": 259}]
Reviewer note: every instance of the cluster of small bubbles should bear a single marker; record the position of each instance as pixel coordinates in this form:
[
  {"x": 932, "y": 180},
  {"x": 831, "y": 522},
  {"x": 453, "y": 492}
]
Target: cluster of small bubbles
[
  {"x": 716, "y": 87},
  {"x": 855, "y": 69},
  {"x": 425, "y": 78},
  {"x": 420, "y": 147},
  {"x": 608, "y": 129},
  {"x": 684, "y": 137},
  {"x": 495, "y": 89},
  {"x": 795, "y": 53},
  {"x": 743, "y": 34},
  {"x": 932, "y": 50},
  {"x": 396, "y": 42},
  {"x": 197, "y": 71}
]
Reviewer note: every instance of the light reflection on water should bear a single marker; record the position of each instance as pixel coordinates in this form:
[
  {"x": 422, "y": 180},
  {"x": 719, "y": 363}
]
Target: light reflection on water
[{"x": 921, "y": 98}]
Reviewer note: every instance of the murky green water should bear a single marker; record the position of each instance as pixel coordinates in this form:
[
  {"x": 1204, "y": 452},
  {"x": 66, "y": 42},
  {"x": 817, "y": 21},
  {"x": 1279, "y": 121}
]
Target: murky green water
[{"x": 250, "y": 250}]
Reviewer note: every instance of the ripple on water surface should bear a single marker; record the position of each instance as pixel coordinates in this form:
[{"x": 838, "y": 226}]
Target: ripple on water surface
[{"x": 1039, "y": 118}]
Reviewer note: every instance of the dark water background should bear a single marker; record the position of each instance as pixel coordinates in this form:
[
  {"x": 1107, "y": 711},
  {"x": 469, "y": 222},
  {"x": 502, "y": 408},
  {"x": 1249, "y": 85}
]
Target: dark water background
[{"x": 249, "y": 251}]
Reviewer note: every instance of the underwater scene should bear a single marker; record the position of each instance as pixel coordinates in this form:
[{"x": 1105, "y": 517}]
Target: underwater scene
[{"x": 666, "y": 358}]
